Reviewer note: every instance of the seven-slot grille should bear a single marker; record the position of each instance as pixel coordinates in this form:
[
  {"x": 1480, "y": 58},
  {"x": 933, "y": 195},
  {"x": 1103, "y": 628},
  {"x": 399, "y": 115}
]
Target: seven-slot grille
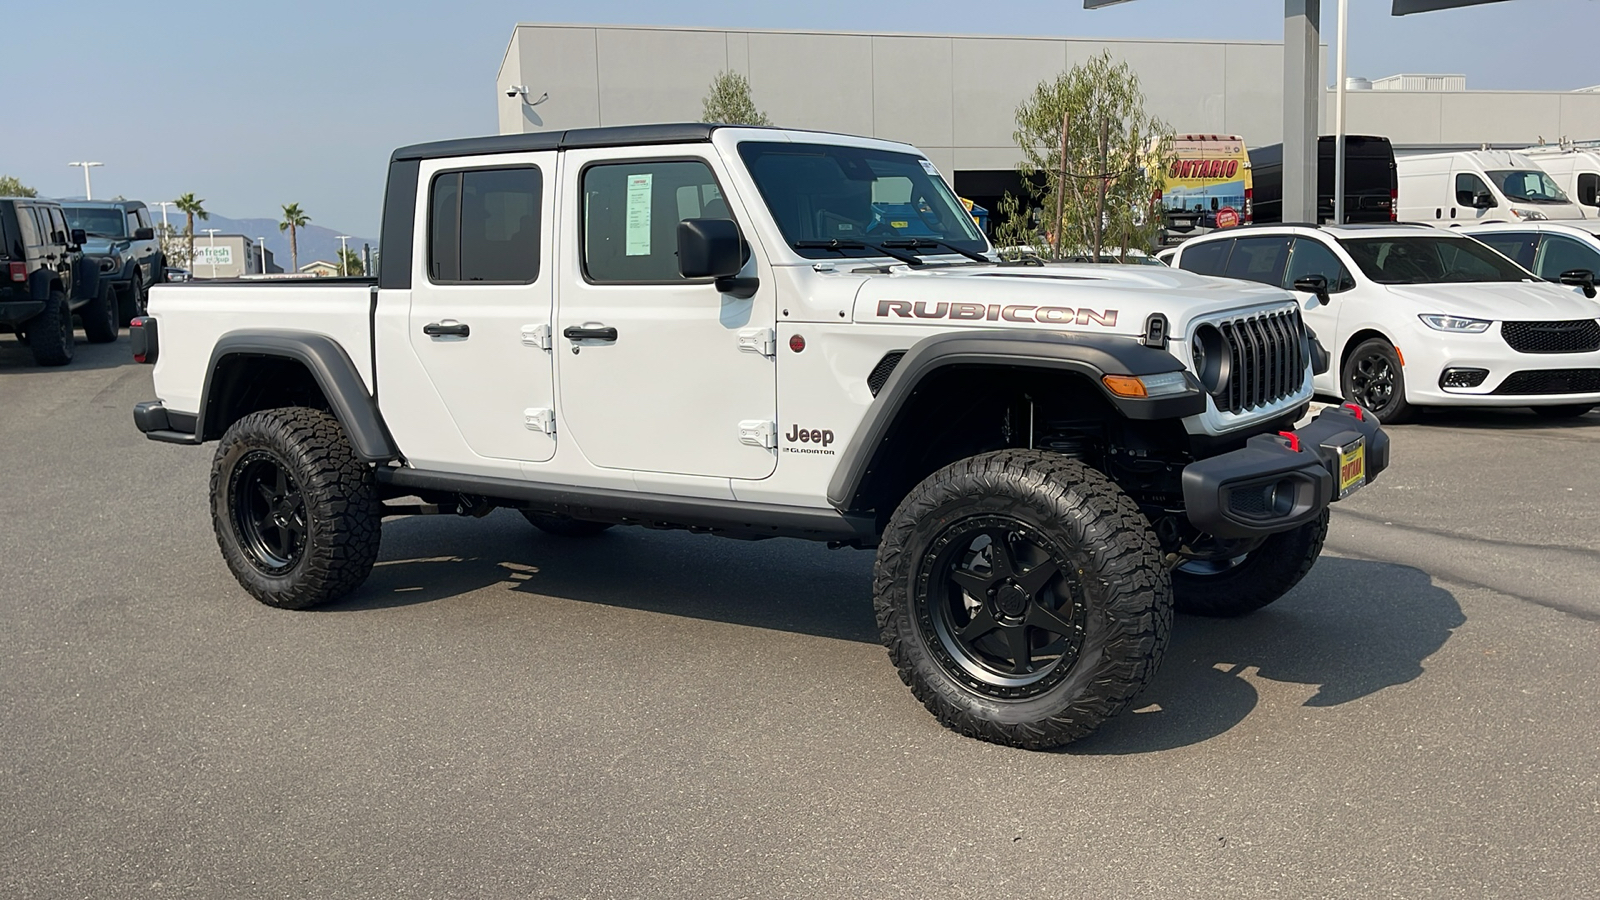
[
  {"x": 1267, "y": 360},
  {"x": 1576, "y": 336}
]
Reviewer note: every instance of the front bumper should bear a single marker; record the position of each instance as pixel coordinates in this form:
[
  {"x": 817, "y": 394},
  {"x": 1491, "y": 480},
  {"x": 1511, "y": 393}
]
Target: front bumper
[{"x": 1270, "y": 486}]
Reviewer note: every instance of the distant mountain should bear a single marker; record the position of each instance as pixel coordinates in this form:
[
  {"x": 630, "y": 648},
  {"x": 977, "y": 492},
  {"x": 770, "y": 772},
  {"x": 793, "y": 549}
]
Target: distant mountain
[{"x": 316, "y": 242}]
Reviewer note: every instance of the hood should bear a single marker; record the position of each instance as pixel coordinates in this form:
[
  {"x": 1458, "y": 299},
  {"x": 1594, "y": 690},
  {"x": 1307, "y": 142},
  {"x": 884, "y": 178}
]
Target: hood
[
  {"x": 104, "y": 246},
  {"x": 1106, "y": 299},
  {"x": 1499, "y": 301}
]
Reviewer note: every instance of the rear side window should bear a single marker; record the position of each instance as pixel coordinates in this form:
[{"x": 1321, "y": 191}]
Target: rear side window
[
  {"x": 483, "y": 226},
  {"x": 1205, "y": 257},
  {"x": 631, "y": 213},
  {"x": 1559, "y": 254},
  {"x": 1258, "y": 259},
  {"x": 1517, "y": 246},
  {"x": 28, "y": 225}
]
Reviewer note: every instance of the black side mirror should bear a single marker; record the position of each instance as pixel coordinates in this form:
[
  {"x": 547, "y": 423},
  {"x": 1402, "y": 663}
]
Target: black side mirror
[
  {"x": 714, "y": 248},
  {"x": 144, "y": 234},
  {"x": 1483, "y": 200},
  {"x": 79, "y": 237},
  {"x": 1313, "y": 284},
  {"x": 1579, "y": 278}
]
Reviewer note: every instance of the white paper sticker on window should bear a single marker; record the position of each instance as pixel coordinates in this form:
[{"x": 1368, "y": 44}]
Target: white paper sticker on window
[
  {"x": 928, "y": 167},
  {"x": 638, "y": 238}
]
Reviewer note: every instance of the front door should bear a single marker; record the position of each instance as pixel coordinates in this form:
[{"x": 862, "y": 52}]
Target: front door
[
  {"x": 658, "y": 373},
  {"x": 480, "y": 304},
  {"x": 1310, "y": 256}
]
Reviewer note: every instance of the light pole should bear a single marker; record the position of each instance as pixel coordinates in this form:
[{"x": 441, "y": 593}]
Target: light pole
[
  {"x": 1338, "y": 116},
  {"x": 263, "y": 243},
  {"x": 211, "y": 254},
  {"x": 164, "y": 204},
  {"x": 88, "y": 194},
  {"x": 343, "y": 269}
]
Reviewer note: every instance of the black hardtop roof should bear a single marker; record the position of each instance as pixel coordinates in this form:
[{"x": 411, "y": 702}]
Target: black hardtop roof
[
  {"x": 45, "y": 200},
  {"x": 571, "y": 139},
  {"x": 102, "y": 204}
]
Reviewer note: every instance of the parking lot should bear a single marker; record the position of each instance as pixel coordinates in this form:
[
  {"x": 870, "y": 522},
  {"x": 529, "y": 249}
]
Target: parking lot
[{"x": 500, "y": 713}]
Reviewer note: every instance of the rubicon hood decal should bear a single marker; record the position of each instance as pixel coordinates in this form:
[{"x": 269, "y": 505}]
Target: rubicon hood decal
[{"x": 996, "y": 312}]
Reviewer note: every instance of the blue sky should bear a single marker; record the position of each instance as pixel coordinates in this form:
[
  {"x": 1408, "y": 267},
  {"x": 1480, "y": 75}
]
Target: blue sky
[{"x": 253, "y": 105}]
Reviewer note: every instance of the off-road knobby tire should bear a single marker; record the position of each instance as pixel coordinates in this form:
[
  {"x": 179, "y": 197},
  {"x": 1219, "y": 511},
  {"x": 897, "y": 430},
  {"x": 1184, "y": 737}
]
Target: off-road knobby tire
[
  {"x": 564, "y": 526},
  {"x": 1126, "y": 591},
  {"x": 342, "y": 510},
  {"x": 50, "y": 334},
  {"x": 1265, "y": 574},
  {"x": 100, "y": 315},
  {"x": 1563, "y": 411},
  {"x": 132, "y": 302}
]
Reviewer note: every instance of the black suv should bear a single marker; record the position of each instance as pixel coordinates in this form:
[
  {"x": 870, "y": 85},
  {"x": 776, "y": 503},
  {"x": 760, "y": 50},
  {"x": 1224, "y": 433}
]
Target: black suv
[
  {"x": 47, "y": 279},
  {"x": 122, "y": 242}
]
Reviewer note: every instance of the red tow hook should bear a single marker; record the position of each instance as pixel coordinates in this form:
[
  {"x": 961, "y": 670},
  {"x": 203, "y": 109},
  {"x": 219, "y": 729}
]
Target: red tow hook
[
  {"x": 1294, "y": 440},
  {"x": 1356, "y": 411}
]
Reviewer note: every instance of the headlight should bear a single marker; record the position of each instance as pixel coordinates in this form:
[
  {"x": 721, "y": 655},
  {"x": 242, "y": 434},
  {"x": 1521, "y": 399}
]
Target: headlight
[
  {"x": 1212, "y": 362},
  {"x": 1528, "y": 215},
  {"x": 1457, "y": 324},
  {"x": 107, "y": 264}
]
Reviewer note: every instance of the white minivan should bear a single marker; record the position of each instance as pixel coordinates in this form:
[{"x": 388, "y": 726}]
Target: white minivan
[
  {"x": 1448, "y": 189},
  {"x": 1576, "y": 171}
]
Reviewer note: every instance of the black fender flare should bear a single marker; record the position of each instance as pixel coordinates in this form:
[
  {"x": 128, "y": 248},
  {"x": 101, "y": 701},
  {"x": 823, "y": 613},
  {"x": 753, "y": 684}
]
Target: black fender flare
[
  {"x": 39, "y": 283},
  {"x": 335, "y": 373},
  {"x": 1091, "y": 355}
]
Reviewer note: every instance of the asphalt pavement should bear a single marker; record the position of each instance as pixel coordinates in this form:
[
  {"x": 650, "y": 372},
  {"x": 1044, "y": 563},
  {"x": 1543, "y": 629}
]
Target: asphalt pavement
[{"x": 500, "y": 713}]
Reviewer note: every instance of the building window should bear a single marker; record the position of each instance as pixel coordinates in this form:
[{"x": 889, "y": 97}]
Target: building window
[{"x": 484, "y": 226}]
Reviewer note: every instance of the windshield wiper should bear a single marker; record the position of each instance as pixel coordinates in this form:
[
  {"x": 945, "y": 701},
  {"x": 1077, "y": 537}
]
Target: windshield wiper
[
  {"x": 909, "y": 259},
  {"x": 914, "y": 243}
]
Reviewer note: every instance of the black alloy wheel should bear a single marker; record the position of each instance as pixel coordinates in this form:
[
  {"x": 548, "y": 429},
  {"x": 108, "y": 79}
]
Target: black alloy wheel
[
  {"x": 269, "y": 512},
  {"x": 1374, "y": 377},
  {"x": 1002, "y": 613}
]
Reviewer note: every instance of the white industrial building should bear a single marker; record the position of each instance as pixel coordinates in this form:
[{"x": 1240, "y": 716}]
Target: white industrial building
[{"x": 954, "y": 95}]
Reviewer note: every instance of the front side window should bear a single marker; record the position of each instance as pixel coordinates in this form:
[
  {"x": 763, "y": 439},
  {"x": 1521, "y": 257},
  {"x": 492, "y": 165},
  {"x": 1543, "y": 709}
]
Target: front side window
[
  {"x": 483, "y": 226},
  {"x": 821, "y": 193},
  {"x": 1528, "y": 185},
  {"x": 1559, "y": 254},
  {"x": 1430, "y": 260},
  {"x": 1589, "y": 189},
  {"x": 1205, "y": 257},
  {"x": 1258, "y": 259},
  {"x": 58, "y": 226},
  {"x": 1468, "y": 187},
  {"x": 1312, "y": 257},
  {"x": 1517, "y": 246},
  {"x": 631, "y": 213}
]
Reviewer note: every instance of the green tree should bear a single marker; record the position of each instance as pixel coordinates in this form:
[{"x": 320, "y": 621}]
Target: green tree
[
  {"x": 1093, "y": 159},
  {"x": 350, "y": 261},
  {"x": 294, "y": 218},
  {"x": 728, "y": 102},
  {"x": 11, "y": 187},
  {"x": 190, "y": 206}
]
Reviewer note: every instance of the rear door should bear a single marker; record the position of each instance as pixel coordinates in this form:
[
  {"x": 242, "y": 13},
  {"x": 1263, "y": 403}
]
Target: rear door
[
  {"x": 480, "y": 307},
  {"x": 658, "y": 373}
]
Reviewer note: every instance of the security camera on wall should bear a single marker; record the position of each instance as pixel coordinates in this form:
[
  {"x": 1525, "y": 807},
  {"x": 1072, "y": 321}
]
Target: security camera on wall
[{"x": 515, "y": 89}]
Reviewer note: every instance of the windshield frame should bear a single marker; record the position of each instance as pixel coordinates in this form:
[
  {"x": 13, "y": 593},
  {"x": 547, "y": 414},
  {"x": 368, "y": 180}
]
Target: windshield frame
[
  {"x": 1501, "y": 177},
  {"x": 928, "y": 188},
  {"x": 1354, "y": 247},
  {"x": 73, "y": 212}
]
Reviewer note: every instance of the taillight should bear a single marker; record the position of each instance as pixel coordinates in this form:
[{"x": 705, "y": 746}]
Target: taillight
[
  {"x": 1249, "y": 204},
  {"x": 19, "y": 271},
  {"x": 142, "y": 337},
  {"x": 1394, "y": 205}
]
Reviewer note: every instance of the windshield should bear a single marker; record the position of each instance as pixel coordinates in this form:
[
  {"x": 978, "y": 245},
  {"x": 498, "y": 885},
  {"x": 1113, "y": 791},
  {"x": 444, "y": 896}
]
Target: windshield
[
  {"x": 104, "y": 222},
  {"x": 824, "y": 192},
  {"x": 1527, "y": 185},
  {"x": 1431, "y": 260}
]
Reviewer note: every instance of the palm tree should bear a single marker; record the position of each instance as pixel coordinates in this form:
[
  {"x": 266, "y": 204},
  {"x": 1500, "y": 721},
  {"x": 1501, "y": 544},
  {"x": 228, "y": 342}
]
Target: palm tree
[
  {"x": 191, "y": 206},
  {"x": 293, "y": 218}
]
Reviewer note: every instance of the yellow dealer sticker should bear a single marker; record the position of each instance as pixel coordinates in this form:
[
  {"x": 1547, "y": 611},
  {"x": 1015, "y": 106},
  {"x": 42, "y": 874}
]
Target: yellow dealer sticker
[{"x": 1352, "y": 468}]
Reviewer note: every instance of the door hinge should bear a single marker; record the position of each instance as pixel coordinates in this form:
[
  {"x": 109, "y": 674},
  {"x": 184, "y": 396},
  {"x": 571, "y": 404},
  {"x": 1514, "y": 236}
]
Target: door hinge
[
  {"x": 758, "y": 433},
  {"x": 758, "y": 340},
  {"x": 540, "y": 419},
  {"x": 536, "y": 336}
]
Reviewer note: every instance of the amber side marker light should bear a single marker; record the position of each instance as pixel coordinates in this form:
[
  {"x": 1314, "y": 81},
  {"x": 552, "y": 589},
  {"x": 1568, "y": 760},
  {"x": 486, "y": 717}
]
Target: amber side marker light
[{"x": 1125, "y": 386}]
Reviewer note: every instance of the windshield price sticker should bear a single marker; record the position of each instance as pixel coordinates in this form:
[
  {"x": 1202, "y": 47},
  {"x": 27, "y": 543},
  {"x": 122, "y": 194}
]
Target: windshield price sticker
[
  {"x": 638, "y": 215},
  {"x": 929, "y": 168}
]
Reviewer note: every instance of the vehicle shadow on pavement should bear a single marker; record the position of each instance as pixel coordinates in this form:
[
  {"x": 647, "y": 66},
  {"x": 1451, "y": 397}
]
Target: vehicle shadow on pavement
[
  {"x": 1513, "y": 419},
  {"x": 16, "y": 357},
  {"x": 778, "y": 584},
  {"x": 1351, "y": 629}
]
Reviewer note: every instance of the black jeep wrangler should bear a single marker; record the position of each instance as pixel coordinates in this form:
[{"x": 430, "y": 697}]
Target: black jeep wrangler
[{"x": 47, "y": 279}]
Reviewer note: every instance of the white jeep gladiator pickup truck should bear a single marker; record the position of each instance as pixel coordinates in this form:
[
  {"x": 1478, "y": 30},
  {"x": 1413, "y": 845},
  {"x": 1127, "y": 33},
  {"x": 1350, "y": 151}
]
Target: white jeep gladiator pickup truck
[{"x": 762, "y": 333}]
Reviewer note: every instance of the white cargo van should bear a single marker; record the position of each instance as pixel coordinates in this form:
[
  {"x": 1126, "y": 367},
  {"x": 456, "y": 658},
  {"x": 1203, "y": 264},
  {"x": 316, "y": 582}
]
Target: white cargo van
[
  {"x": 1576, "y": 171},
  {"x": 1448, "y": 189}
]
